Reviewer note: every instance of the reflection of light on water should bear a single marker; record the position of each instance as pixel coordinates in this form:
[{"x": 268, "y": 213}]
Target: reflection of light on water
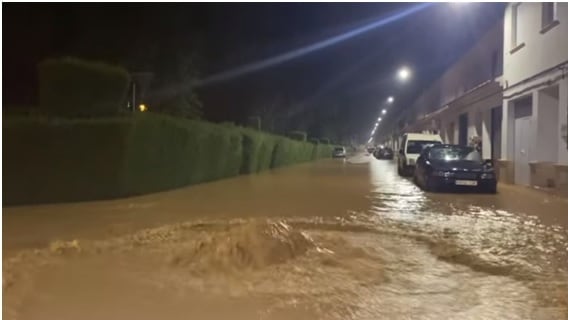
[
  {"x": 359, "y": 159},
  {"x": 391, "y": 194}
]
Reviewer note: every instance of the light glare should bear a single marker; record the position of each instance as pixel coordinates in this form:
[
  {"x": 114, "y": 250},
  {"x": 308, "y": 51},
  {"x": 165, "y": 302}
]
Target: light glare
[{"x": 403, "y": 74}]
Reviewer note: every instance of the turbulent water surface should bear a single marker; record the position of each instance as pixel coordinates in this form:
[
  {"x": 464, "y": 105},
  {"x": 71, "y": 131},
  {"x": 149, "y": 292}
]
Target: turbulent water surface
[{"x": 328, "y": 240}]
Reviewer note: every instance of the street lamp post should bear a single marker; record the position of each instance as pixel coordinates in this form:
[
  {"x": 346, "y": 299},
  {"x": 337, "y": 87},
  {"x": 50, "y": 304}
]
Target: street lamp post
[{"x": 403, "y": 74}]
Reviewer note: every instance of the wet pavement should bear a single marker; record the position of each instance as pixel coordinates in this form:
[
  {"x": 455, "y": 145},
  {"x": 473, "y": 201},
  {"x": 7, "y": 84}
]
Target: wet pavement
[{"x": 335, "y": 239}]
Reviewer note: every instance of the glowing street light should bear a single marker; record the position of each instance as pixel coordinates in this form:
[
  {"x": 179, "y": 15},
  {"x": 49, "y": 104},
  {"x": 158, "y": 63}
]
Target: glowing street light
[
  {"x": 379, "y": 119},
  {"x": 384, "y": 111},
  {"x": 403, "y": 74},
  {"x": 390, "y": 99},
  {"x": 142, "y": 108}
]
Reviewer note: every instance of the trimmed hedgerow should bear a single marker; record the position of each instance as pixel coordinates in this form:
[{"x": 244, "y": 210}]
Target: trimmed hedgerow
[{"x": 54, "y": 160}]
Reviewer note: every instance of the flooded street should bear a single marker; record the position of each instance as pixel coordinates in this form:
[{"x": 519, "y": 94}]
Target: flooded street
[{"x": 335, "y": 239}]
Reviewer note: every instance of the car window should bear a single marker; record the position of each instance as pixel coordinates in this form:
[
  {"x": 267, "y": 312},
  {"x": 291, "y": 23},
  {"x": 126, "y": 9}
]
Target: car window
[
  {"x": 455, "y": 153},
  {"x": 416, "y": 146}
]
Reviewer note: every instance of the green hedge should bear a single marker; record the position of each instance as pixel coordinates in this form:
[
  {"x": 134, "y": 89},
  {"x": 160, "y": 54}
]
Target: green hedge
[
  {"x": 288, "y": 152},
  {"x": 164, "y": 152},
  {"x": 50, "y": 161},
  {"x": 298, "y": 135},
  {"x": 323, "y": 151},
  {"x": 71, "y": 87},
  {"x": 257, "y": 151},
  {"x": 75, "y": 160}
]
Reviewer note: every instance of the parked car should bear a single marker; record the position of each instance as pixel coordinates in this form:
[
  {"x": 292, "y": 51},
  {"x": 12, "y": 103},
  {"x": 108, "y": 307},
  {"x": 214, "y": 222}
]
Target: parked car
[
  {"x": 453, "y": 166},
  {"x": 384, "y": 153},
  {"x": 339, "y": 152},
  {"x": 411, "y": 147},
  {"x": 371, "y": 150}
]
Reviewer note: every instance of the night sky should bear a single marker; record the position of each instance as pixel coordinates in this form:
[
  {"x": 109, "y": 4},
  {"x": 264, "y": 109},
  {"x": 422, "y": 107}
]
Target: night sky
[{"x": 357, "y": 74}]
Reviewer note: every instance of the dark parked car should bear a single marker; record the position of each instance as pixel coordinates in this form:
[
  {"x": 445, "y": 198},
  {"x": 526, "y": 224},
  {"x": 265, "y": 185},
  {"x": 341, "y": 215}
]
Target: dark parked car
[
  {"x": 339, "y": 152},
  {"x": 454, "y": 167},
  {"x": 384, "y": 153}
]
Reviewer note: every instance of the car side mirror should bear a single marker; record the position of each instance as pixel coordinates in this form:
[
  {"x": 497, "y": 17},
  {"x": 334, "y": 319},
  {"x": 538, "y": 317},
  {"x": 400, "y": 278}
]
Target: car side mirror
[{"x": 488, "y": 162}]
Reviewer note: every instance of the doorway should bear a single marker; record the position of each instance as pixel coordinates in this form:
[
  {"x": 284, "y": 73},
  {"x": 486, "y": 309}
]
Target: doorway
[
  {"x": 462, "y": 136},
  {"x": 495, "y": 134},
  {"x": 523, "y": 129}
]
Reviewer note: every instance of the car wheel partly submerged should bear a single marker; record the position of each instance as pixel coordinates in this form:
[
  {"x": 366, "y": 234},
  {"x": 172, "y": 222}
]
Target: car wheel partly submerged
[
  {"x": 415, "y": 180},
  {"x": 492, "y": 189},
  {"x": 428, "y": 185}
]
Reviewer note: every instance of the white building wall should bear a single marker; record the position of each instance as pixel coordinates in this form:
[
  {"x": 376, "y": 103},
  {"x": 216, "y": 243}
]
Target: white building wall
[
  {"x": 485, "y": 133},
  {"x": 536, "y": 65},
  {"x": 535, "y": 51},
  {"x": 563, "y": 121},
  {"x": 507, "y": 130},
  {"x": 548, "y": 133}
]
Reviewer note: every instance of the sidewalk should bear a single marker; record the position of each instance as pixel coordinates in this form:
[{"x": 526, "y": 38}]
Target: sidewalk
[{"x": 550, "y": 206}]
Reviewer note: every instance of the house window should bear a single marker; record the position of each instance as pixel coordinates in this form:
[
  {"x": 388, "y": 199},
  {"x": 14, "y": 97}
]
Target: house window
[
  {"x": 549, "y": 16},
  {"x": 514, "y": 25},
  {"x": 548, "y": 13}
]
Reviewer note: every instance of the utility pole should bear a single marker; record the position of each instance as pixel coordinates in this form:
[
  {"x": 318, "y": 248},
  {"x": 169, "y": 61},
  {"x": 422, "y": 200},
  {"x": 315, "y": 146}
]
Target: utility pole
[{"x": 140, "y": 83}]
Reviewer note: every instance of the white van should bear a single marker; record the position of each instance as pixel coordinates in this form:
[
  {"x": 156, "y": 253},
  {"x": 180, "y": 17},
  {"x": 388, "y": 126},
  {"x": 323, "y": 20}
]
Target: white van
[{"x": 410, "y": 149}]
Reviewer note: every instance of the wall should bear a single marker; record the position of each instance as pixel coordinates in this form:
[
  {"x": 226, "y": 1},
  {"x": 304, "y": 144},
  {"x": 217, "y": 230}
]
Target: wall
[
  {"x": 548, "y": 132},
  {"x": 563, "y": 121},
  {"x": 540, "y": 51},
  {"x": 475, "y": 67}
]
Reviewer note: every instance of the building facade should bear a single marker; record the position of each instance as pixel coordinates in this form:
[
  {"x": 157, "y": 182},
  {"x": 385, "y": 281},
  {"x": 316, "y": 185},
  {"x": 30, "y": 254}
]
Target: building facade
[
  {"x": 465, "y": 102},
  {"x": 510, "y": 90},
  {"x": 535, "y": 95}
]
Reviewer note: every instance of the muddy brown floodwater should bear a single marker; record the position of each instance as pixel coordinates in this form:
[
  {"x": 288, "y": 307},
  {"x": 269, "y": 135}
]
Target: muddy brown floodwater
[{"x": 332, "y": 240}]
